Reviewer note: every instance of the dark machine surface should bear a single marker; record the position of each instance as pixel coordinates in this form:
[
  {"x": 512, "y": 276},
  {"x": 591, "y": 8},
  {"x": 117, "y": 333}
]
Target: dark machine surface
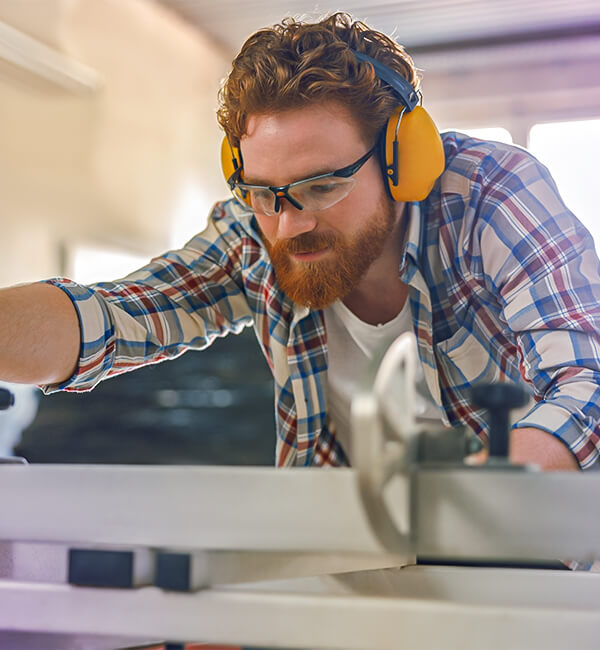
[{"x": 208, "y": 407}]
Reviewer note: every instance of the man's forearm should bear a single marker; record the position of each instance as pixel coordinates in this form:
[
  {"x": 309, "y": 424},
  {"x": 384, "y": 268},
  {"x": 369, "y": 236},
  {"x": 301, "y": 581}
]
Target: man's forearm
[
  {"x": 534, "y": 446},
  {"x": 39, "y": 334}
]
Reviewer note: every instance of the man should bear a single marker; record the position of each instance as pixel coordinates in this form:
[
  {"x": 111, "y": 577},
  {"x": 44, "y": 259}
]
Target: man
[{"x": 497, "y": 279}]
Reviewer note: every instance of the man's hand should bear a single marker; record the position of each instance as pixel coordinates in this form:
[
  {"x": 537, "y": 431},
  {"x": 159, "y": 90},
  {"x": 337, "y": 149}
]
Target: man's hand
[{"x": 530, "y": 446}]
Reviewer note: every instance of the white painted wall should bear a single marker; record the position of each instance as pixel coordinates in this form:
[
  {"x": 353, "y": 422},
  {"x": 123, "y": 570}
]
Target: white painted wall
[{"x": 123, "y": 167}]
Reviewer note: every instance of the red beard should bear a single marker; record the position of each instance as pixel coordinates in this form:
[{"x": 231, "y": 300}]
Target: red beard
[{"x": 319, "y": 284}]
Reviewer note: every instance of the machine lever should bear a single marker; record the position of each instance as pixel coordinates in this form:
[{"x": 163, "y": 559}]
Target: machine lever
[{"x": 499, "y": 399}]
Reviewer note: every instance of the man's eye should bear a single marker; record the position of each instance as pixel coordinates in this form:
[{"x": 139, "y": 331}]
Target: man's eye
[
  {"x": 261, "y": 195},
  {"x": 323, "y": 188}
]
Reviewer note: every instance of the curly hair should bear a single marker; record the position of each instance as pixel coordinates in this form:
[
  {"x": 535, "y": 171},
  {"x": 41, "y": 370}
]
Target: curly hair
[{"x": 296, "y": 63}]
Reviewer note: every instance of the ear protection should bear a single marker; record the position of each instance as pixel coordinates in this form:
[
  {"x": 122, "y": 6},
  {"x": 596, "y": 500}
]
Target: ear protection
[
  {"x": 410, "y": 147},
  {"x": 231, "y": 160}
]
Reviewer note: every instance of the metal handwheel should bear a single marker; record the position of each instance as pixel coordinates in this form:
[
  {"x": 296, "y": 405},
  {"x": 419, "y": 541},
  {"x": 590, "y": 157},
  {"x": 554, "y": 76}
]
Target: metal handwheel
[
  {"x": 385, "y": 440},
  {"x": 391, "y": 441}
]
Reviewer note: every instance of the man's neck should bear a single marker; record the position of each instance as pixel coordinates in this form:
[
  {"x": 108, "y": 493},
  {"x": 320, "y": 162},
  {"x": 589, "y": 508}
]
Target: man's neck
[{"x": 381, "y": 295}]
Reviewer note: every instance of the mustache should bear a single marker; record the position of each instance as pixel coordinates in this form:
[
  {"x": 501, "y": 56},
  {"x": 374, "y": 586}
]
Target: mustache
[{"x": 307, "y": 242}]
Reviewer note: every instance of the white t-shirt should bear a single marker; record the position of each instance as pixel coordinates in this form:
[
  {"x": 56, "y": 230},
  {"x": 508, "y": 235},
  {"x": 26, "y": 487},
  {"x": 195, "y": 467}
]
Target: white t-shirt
[{"x": 354, "y": 347}]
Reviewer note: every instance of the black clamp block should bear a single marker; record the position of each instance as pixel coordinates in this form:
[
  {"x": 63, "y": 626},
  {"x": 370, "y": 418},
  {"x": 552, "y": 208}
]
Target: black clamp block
[
  {"x": 7, "y": 399},
  {"x": 174, "y": 646},
  {"x": 173, "y": 571},
  {"x": 499, "y": 399},
  {"x": 97, "y": 568}
]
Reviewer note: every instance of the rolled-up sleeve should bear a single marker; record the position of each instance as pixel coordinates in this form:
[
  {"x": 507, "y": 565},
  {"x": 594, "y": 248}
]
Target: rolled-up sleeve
[
  {"x": 181, "y": 300},
  {"x": 541, "y": 262}
]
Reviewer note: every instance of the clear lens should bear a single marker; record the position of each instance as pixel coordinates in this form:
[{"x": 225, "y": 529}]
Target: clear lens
[
  {"x": 312, "y": 194},
  {"x": 322, "y": 193},
  {"x": 261, "y": 199}
]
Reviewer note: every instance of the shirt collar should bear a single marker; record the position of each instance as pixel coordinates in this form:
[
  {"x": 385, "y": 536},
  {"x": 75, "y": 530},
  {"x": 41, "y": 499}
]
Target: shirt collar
[{"x": 413, "y": 243}]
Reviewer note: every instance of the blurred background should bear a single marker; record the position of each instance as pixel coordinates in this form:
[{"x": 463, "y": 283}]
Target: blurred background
[{"x": 109, "y": 155}]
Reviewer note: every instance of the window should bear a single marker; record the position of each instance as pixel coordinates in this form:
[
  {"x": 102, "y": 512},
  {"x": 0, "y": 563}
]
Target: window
[
  {"x": 570, "y": 151},
  {"x": 94, "y": 264}
]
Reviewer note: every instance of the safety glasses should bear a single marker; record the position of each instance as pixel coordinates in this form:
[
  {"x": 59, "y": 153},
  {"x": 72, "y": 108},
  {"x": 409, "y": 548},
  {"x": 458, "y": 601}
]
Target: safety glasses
[{"x": 315, "y": 193}]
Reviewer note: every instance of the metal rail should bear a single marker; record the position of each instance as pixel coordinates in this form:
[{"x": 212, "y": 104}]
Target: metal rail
[{"x": 458, "y": 513}]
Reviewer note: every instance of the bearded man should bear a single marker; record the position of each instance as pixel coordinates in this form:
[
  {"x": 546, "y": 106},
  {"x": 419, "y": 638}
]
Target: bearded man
[{"x": 328, "y": 251}]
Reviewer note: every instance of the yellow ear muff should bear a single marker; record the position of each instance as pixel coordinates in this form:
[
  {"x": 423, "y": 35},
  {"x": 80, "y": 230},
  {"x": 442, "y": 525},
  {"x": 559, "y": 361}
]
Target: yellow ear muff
[
  {"x": 414, "y": 154},
  {"x": 231, "y": 161}
]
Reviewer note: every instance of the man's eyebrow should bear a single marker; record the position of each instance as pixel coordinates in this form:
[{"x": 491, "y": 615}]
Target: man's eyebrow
[{"x": 262, "y": 181}]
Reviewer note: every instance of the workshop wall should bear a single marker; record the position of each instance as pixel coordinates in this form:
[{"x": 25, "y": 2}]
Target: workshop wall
[
  {"x": 514, "y": 83},
  {"x": 107, "y": 165}
]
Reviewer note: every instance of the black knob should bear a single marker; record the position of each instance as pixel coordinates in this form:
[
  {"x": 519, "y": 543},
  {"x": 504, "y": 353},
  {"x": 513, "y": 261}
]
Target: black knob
[
  {"x": 7, "y": 399},
  {"x": 498, "y": 399}
]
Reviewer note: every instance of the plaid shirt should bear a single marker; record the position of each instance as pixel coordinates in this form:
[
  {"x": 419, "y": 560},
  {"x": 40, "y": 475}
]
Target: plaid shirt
[{"x": 504, "y": 286}]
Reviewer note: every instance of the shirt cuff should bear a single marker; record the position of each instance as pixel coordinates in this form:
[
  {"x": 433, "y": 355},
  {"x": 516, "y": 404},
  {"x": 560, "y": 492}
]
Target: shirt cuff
[{"x": 97, "y": 338}]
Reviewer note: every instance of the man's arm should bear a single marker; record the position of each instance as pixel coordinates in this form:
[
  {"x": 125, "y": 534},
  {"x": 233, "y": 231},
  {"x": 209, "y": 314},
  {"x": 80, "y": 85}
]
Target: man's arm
[
  {"x": 539, "y": 262},
  {"x": 39, "y": 334},
  {"x": 529, "y": 445}
]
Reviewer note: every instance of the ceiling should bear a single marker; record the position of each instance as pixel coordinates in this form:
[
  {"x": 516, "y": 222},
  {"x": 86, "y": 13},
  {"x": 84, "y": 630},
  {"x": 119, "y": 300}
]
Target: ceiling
[{"x": 423, "y": 25}]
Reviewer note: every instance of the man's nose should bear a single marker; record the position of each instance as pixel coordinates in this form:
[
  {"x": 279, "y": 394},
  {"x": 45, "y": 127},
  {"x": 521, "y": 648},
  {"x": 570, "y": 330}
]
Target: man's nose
[{"x": 293, "y": 222}]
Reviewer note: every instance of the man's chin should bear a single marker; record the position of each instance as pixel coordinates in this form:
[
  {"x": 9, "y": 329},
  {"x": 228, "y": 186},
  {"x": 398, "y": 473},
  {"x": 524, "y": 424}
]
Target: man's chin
[
  {"x": 313, "y": 286},
  {"x": 319, "y": 282}
]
